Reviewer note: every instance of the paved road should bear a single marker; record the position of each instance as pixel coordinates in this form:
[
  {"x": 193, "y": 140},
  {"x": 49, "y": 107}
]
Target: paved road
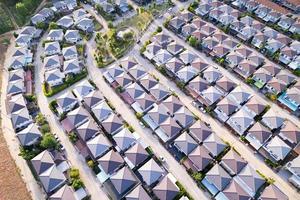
[
  {"x": 254, "y": 160},
  {"x": 77, "y": 161},
  {"x": 12, "y": 141},
  {"x": 146, "y": 134}
]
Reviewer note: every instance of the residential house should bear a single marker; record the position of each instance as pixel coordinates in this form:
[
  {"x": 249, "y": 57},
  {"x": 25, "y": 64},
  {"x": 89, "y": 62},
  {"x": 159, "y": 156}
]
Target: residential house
[
  {"x": 83, "y": 89},
  {"x": 101, "y": 111},
  {"x": 216, "y": 179},
  {"x": 275, "y": 86},
  {"x": 65, "y": 22},
  {"x": 261, "y": 77},
  {"x": 259, "y": 40},
  {"x": 225, "y": 108},
  {"x": 78, "y": 116},
  {"x": 69, "y": 53},
  {"x": 110, "y": 162},
  {"x": 232, "y": 162},
  {"x": 72, "y": 67},
  {"x": 240, "y": 121},
  {"x": 272, "y": 191},
  {"x": 272, "y": 120},
  {"x": 287, "y": 54},
  {"x": 30, "y": 135},
  {"x": 138, "y": 193},
  {"x": 290, "y": 133},
  {"x": 185, "y": 143},
  {"x": 285, "y": 22},
  {"x": 151, "y": 172},
  {"x": 54, "y": 77},
  {"x": 52, "y": 48},
  {"x": 124, "y": 140},
  {"x": 112, "y": 124},
  {"x": 55, "y": 35},
  {"x": 277, "y": 149},
  {"x": 176, "y": 24},
  {"x": 234, "y": 191},
  {"x": 124, "y": 181},
  {"x": 200, "y": 158},
  {"x": 136, "y": 155},
  {"x": 258, "y": 135},
  {"x": 52, "y": 62},
  {"x": 66, "y": 102},
  {"x": 262, "y": 11},
  {"x": 98, "y": 146},
  {"x": 72, "y": 36},
  {"x": 291, "y": 99},
  {"x": 86, "y": 25},
  {"x": 166, "y": 188},
  {"x": 87, "y": 130},
  {"x": 214, "y": 145}
]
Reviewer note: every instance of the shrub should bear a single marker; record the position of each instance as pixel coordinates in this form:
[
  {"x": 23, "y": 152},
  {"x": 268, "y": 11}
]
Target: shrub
[
  {"x": 40, "y": 119},
  {"x": 45, "y": 128},
  {"x": 49, "y": 142},
  {"x": 73, "y": 137},
  {"x": 74, "y": 173},
  {"x": 53, "y": 25}
]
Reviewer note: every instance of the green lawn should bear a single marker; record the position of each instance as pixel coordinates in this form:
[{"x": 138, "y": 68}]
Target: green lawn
[
  {"x": 140, "y": 21},
  {"x": 5, "y": 21}
]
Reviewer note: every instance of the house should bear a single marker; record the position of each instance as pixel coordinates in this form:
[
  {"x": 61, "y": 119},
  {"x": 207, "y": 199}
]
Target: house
[
  {"x": 176, "y": 24},
  {"x": 23, "y": 40},
  {"x": 16, "y": 103},
  {"x": 138, "y": 193},
  {"x": 124, "y": 140},
  {"x": 151, "y": 50},
  {"x": 54, "y": 77},
  {"x": 249, "y": 180},
  {"x": 55, "y": 35},
  {"x": 122, "y": 5},
  {"x": 209, "y": 43},
  {"x": 270, "y": 33},
  {"x": 275, "y": 86},
  {"x": 47, "y": 13},
  {"x": 52, "y": 48},
  {"x": 151, "y": 172},
  {"x": 203, "y": 9},
  {"x": 162, "y": 39},
  {"x": 233, "y": 59},
  {"x": 254, "y": 107},
  {"x": 184, "y": 117},
  {"x": 159, "y": 92},
  {"x": 200, "y": 158},
  {"x": 112, "y": 124},
  {"x": 30, "y": 135},
  {"x": 107, "y": 7},
  {"x": 271, "y": 68},
  {"x": 273, "y": 45},
  {"x": 98, "y": 146},
  {"x": 215, "y": 14},
  {"x": 295, "y": 64},
  {"x": 259, "y": 39},
  {"x": 166, "y": 188},
  {"x": 295, "y": 28},
  {"x": 38, "y": 18},
  {"x": 52, "y": 62},
  {"x": 187, "y": 57},
  {"x": 291, "y": 99},
  {"x": 137, "y": 72},
  {"x": 272, "y": 120},
  {"x": 232, "y": 162},
  {"x": 66, "y": 102},
  {"x": 246, "y": 33},
  {"x": 234, "y": 191},
  {"x": 80, "y": 14},
  {"x": 162, "y": 57},
  {"x": 186, "y": 74},
  {"x": 128, "y": 63},
  {"x": 136, "y": 155},
  {"x": 216, "y": 179},
  {"x": 211, "y": 74},
  {"x": 287, "y": 54},
  {"x": 225, "y": 108},
  {"x": 88, "y": 130},
  {"x": 83, "y": 89},
  {"x": 262, "y": 11},
  {"x": 293, "y": 168},
  {"x": 277, "y": 148},
  {"x": 239, "y": 95},
  {"x": 285, "y": 22},
  {"x": 251, "y": 5},
  {"x": 110, "y": 162},
  {"x": 187, "y": 30},
  {"x": 295, "y": 46},
  {"x": 272, "y": 17},
  {"x": 173, "y": 104},
  {"x": 258, "y": 135},
  {"x": 219, "y": 51},
  {"x": 17, "y": 62},
  {"x": 274, "y": 192},
  {"x": 78, "y": 116},
  {"x": 48, "y": 173},
  {"x": 72, "y": 36},
  {"x": 225, "y": 84},
  {"x": 72, "y": 66},
  {"x": 196, "y": 86},
  {"x": 226, "y": 19},
  {"x": 16, "y": 87},
  {"x": 290, "y": 133},
  {"x": 185, "y": 143},
  {"x": 214, "y": 145},
  {"x": 123, "y": 181},
  {"x": 240, "y": 121},
  {"x": 86, "y": 25},
  {"x": 69, "y": 53},
  {"x": 261, "y": 77},
  {"x": 237, "y": 26},
  {"x": 67, "y": 192},
  {"x": 65, "y": 22},
  {"x": 101, "y": 111},
  {"x": 174, "y": 48},
  {"x": 286, "y": 77},
  {"x": 210, "y": 96}
]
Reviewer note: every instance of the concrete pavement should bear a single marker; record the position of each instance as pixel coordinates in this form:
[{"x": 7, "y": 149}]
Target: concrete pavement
[
  {"x": 77, "y": 161},
  {"x": 146, "y": 134}
]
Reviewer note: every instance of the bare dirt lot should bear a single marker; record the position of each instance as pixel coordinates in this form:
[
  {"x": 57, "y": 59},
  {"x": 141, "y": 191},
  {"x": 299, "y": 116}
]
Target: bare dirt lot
[{"x": 12, "y": 186}]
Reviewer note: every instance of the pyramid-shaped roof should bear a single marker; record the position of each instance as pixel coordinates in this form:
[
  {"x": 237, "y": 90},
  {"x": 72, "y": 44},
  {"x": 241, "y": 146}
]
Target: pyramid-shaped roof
[
  {"x": 185, "y": 143},
  {"x": 166, "y": 189},
  {"x": 123, "y": 180},
  {"x": 111, "y": 161},
  {"x": 136, "y": 154},
  {"x": 98, "y": 145},
  {"x": 200, "y": 131},
  {"x": 151, "y": 172},
  {"x": 124, "y": 139}
]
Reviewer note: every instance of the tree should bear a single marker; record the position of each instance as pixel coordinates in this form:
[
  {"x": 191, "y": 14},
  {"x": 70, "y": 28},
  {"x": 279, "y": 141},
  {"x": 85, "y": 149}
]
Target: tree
[
  {"x": 74, "y": 173},
  {"x": 110, "y": 25},
  {"x": 53, "y": 25},
  {"x": 77, "y": 184},
  {"x": 40, "y": 119},
  {"x": 91, "y": 164},
  {"x": 159, "y": 29},
  {"x": 41, "y": 25},
  {"x": 73, "y": 137},
  {"x": 20, "y": 7},
  {"x": 193, "y": 41},
  {"x": 49, "y": 142}
]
